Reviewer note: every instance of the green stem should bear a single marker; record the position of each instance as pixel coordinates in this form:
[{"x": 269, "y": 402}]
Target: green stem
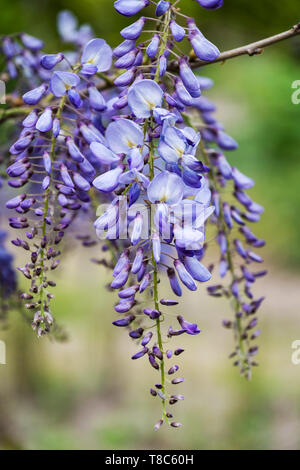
[
  {"x": 155, "y": 294},
  {"x": 148, "y": 124},
  {"x": 46, "y": 204},
  {"x": 109, "y": 81},
  {"x": 159, "y": 337}
]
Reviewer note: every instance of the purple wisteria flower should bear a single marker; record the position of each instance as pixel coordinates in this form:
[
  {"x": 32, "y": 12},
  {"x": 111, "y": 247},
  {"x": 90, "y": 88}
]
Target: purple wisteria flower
[
  {"x": 62, "y": 82},
  {"x": 123, "y": 135},
  {"x": 49, "y": 61},
  {"x": 96, "y": 57},
  {"x": 203, "y": 48},
  {"x": 130, "y": 7},
  {"x": 189, "y": 328},
  {"x": 32, "y": 97}
]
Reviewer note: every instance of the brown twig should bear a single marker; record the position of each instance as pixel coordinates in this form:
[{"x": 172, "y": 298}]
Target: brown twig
[
  {"x": 250, "y": 49},
  {"x": 11, "y": 113}
]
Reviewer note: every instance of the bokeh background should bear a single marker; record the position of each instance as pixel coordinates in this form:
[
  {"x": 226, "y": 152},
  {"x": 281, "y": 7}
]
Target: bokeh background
[{"x": 86, "y": 392}]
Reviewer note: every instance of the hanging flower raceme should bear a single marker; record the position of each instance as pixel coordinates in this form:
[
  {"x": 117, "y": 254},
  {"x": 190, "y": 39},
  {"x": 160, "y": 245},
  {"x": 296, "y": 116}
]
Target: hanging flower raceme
[
  {"x": 125, "y": 136},
  {"x": 130, "y": 7},
  {"x": 53, "y": 159},
  {"x": 67, "y": 26},
  {"x": 232, "y": 218},
  {"x": 152, "y": 163}
]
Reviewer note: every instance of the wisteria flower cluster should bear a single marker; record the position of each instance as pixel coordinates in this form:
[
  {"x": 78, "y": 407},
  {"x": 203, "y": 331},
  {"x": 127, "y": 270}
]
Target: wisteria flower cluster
[{"x": 130, "y": 130}]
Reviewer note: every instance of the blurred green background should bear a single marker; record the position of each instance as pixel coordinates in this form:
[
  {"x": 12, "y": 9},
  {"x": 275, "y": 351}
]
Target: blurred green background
[{"x": 87, "y": 393}]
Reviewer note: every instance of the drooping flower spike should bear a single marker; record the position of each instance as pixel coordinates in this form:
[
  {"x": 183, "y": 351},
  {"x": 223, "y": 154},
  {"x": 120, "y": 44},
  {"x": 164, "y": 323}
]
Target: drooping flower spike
[
  {"x": 56, "y": 167},
  {"x": 125, "y": 137}
]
